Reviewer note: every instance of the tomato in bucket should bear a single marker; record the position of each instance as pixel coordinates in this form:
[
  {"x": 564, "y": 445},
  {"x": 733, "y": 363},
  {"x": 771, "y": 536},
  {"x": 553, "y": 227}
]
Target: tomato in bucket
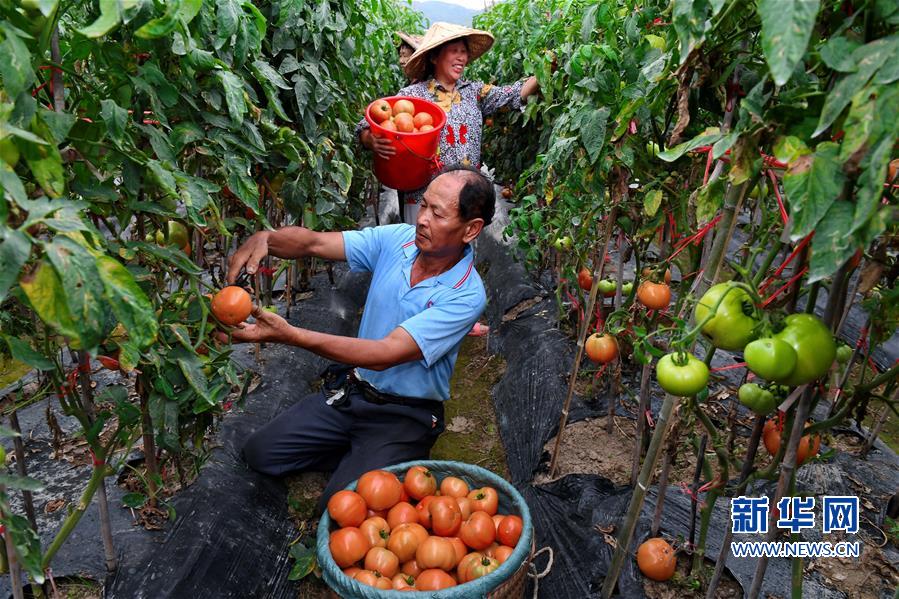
[{"x": 415, "y": 160}]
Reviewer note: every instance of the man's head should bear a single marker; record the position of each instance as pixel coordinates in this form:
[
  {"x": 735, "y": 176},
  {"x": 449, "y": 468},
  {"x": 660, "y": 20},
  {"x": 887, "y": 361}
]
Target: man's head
[{"x": 457, "y": 205}]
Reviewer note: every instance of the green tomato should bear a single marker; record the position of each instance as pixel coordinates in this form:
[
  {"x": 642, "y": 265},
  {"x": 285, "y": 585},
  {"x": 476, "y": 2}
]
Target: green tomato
[
  {"x": 761, "y": 401},
  {"x": 814, "y": 346},
  {"x": 562, "y": 243},
  {"x": 627, "y": 288},
  {"x": 652, "y": 148},
  {"x": 9, "y": 151},
  {"x": 844, "y": 353},
  {"x": 683, "y": 379},
  {"x": 734, "y": 323},
  {"x": 607, "y": 288},
  {"x": 770, "y": 358}
]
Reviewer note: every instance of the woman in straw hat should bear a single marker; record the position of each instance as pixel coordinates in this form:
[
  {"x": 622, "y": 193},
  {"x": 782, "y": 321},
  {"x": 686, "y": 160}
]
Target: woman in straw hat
[{"x": 436, "y": 67}]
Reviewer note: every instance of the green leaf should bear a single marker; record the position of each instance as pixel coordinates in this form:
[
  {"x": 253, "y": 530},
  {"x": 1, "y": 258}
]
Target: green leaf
[
  {"x": 241, "y": 184},
  {"x": 190, "y": 9},
  {"x": 109, "y": 18},
  {"x": 23, "y": 352},
  {"x": 58, "y": 124},
  {"x": 869, "y": 58},
  {"x": 48, "y": 298},
  {"x": 266, "y": 72},
  {"x": 837, "y": 54},
  {"x": 786, "y": 29},
  {"x": 710, "y": 199},
  {"x": 15, "y": 248},
  {"x": 164, "y": 177},
  {"x": 116, "y": 119},
  {"x": 173, "y": 256},
  {"x": 44, "y": 160},
  {"x": 47, "y": 6},
  {"x": 227, "y": 15},
  {"x": 652, "y": 201},
  {"x": 593, "y": 131},
  {"x": 129, "y": 303},
  {"x": 788, "y": 148},
  {"x": 831, "y": 246},
  {"x": 15, "y": 63},
  {"x": 11, "y": 186},
  {"x": 305, "y": 561},
  {"x": 163, "y": 25},
  {"x": 27, "y": 544},
  {"x": 812, "y": 184},
  {"x": 134, "y": 501},
  {"x": 77, "y": 269},
  {"x": 706, "y": 138},
  {"x": 26, "y": 135},
  {"x": 691, "y": 20},
  {"x": 233, "y": 86}
]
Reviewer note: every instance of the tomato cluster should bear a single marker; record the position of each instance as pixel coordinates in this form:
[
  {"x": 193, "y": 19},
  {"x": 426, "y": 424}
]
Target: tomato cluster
[
  {"x": 419, "y": 534},
  {"x": 400, "y": 117}
]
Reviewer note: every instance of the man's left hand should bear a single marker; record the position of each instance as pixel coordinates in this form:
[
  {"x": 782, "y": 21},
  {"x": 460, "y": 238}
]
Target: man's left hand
[{"x": 268, "y": 328}]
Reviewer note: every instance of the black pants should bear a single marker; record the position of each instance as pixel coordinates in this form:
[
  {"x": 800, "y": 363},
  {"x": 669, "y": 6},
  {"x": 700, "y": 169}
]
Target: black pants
[{"x": 349, "y": 438}]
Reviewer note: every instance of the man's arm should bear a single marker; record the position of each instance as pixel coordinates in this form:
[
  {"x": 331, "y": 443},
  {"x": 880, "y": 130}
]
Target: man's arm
[
  {"x": 375, "y": 354},
  {"x": 287, "y": 242}
]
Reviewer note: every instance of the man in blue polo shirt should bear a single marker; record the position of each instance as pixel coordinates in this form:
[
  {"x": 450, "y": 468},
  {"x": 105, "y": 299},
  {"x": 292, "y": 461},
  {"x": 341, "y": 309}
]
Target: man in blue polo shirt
[{"x": 425, "y": 296}]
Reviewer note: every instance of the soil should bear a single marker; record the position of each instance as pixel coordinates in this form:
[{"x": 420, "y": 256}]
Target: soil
[
  {"x": 683, "y": 586},
  {"x": 857, "y": 577}
]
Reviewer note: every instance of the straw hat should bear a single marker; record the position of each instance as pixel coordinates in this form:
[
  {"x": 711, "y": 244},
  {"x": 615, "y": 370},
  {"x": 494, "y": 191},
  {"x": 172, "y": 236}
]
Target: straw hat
[
  {"x": 410, "y": 40},
  {"x": 440, "y": 33}
]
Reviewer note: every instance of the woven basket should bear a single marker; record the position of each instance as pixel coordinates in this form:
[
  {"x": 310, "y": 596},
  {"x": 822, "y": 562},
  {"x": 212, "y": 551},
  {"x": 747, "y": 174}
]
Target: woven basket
[{"x": 506, "y": 582}]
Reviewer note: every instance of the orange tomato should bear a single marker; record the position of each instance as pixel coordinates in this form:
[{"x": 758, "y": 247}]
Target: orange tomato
[
  {"x": 411, "y": 568},
  {"x": 436, "y": 552},
  {"x": 405, "y": 539},
  {"x": 380, "y": 110},
  {"x": 893, "y": 169},
  {"x": 484, "y": 499},
  {"x": 602, "y": 349},
  {"x": 464, "y": 506},
  {"x": 434, "y": 580},
  {"x": 389, "y": 125},
  {"x": 347, "y": 508},
  {"x": 400, "y": 514},
  {"x": 509, "y": 530},
  {"x": 351, "y": 571},
  {"x": 808, "y": 445},
  {"x": 446, "y": 517},
  {"x": 497, "y": 518},
  {"x": 459, "y": 548},
  {"x": 422, "y": 119},
  {"x": 453, "y": 486},
  {"x": 424, "y": 512},
  {"x": 348, "y": 546},
  {"x": 404, "y": 582},
  {"x": 419, "y": 482},
  {"x": 376, "y": 530},
  {"x": 656, "y": 559},
  {"x": 478, "y": 532},
  {"x": 373, "y": 579},
  {"x": 383, "y": 561},
  {"x": 648, "y": 272},
  {"x": 380, "y": 489},
  {"x": 655, "y": 296},
  {"x": 232, "y": 305},
  {"x": 401, "y": 106},
  {"x": 404, "y": 122},
  {"x": 585, "y": 279},
  {"x": 502, "y": 553}
]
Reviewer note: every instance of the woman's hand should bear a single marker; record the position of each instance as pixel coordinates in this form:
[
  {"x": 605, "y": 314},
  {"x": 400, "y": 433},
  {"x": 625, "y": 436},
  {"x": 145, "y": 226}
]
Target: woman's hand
[
  {"x": 381, "y": 146},
  {"x": 268, "y": 328},
  {"x": 529, "y": 88}
]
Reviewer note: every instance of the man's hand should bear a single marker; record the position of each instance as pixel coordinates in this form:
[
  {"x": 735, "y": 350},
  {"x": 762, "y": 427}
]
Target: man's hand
[
  {"x": 268, "y": 328},
  {"x": 248, "y": 255}
]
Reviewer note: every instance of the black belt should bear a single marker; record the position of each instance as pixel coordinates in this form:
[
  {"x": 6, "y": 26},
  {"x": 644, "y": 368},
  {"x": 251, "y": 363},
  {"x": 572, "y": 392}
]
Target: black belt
[{"x": 374, "y": 396}]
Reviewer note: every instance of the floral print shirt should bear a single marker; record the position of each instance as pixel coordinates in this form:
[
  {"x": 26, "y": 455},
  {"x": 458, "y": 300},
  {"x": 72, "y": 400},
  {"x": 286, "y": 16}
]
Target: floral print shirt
[{"x": 466, "y": 106}]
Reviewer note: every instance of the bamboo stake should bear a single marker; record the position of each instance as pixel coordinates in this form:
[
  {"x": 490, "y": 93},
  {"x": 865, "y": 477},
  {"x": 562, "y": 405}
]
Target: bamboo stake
[
  {"x": 149, "y": 442},
  {"x": 15, "y": 573},
  {"x": 625, "y": 536},
  {"x": 667, "y": 462},
  {"x": 19, "y": 447},
  {"x": 697, "y": 474},
  {"x": 878, "y": 426},
  {"x": 787, "y": 468},
  {"x": 582, "y": 335},
  {"x": 641, "y": 422}
]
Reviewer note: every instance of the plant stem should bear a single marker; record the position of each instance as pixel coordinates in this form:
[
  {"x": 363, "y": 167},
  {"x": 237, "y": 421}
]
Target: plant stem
[
  {"x": 733, "y": 198},
  {"x": 149, "y": 442},
  {"x": 625, "y": 536},
  {"x": 97, "y": 477},
  {"x": 582, "y": 335}
]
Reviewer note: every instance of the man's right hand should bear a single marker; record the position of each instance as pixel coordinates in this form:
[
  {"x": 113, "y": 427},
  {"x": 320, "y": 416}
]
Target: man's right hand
[{"x": 248, "y": 255}]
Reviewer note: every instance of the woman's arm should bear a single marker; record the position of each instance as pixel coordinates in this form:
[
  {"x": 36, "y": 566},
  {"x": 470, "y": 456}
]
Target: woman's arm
[{"x": 529, "y": 88}]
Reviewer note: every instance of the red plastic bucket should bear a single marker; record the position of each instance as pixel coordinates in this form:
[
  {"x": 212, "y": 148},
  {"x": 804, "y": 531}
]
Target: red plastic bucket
[{"x": 415, "y": 160}]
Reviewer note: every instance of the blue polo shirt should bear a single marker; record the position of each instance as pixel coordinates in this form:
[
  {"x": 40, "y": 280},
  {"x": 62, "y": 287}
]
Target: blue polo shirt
[{"x": 437, "y": 313}]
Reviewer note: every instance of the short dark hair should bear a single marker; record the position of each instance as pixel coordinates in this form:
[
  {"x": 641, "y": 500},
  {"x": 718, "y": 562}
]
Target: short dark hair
[
  {"x": 477, "y": 198},
  {"x": 435, "y": 52}
]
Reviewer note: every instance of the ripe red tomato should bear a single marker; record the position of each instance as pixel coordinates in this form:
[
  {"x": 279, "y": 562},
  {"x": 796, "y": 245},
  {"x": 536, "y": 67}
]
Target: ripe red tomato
[
  {"x": 411, "y": 568},
  {"x": 400, "y": 514},
  {"x": 373, "y": 579},
  {"x": 484, "y": 499},
  {"x": 478, "y": 531},
  {"x": 347, "y": 508},
  {"x": 419, "y": 482},
  {"x": 405, "y": 539},
  {"x": 424, "y": 512},
  {"x": 452, "y": 486},
  {"x": 376, "y": 530},
  {"x": 481, "y": 567},
  {"x": 602, "y": 349},
  {"x": 352, "y": 571},
  {"x": 464, "y": 506},
  {"x": 404, "y": 582},
  {"x": 383, "y": 561},
  {"x": 497, "y": 518},
  {"x": 434, "y": 580},
  {"x": 465, "y": 565},
  {"x": 459, "y": 548},
  {"x": 232, "y": 305},
  {"x": 509, "y": 530},
  {"x": 656, "y": 559},
  {"x": 446, "y": 517},
  {"x": 585, "y": 279},
  {"x": 502, "y": 553},
  {"x": 380, "y": 489},
  {"x": 655, "y": 296},
  {"x": 436, "y": 552},
  {"x": 808, "y": 445},
  {"x": 348, "y": 546}
]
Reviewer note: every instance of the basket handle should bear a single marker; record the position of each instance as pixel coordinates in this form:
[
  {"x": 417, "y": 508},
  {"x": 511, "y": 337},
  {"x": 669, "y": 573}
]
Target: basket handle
[
  {"x": 532, "y": 570},
  {"x": 432, "y": 158}
]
